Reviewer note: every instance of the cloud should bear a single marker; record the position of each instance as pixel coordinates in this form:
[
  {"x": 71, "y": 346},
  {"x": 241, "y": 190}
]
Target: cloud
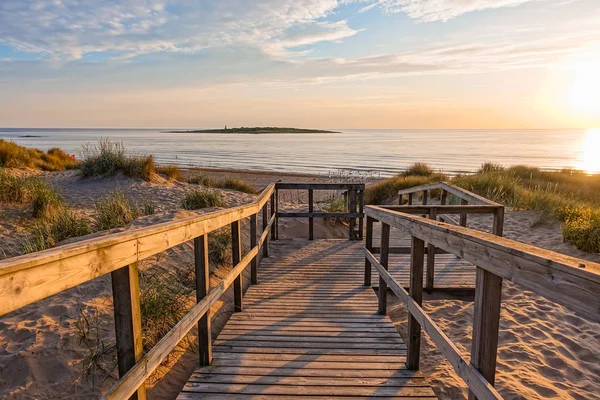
[
  {"x": 69, "y": 29},
  {"x": 441, "y": 10}
]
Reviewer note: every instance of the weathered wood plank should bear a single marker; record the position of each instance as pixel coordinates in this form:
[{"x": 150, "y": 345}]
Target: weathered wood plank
[
  {"x": 202, "y": 269},
  {"x": 236, "y": 254},
  {"x": 416, "y": 293}
]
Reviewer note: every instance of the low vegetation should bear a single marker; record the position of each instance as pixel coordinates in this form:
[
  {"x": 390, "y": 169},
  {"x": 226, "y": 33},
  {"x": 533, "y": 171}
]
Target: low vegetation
[
  {"x": 117, "y": 210},
  {"x": 234, "y": 184},
  {"x": 335, "y": 205},
  {"x": 570, "y": 196},
  {"x": 170, "y": 171},
  {"x": 202, "y": 198},
  {"x": 106, "y": 158},
  {"x": 14, "y": 156},
  {"x": 200, "y": 179}
]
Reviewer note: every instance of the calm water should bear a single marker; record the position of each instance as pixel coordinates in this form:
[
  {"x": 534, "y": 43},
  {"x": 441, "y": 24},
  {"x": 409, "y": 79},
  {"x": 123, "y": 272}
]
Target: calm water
[{"x": 383, "y": 152}]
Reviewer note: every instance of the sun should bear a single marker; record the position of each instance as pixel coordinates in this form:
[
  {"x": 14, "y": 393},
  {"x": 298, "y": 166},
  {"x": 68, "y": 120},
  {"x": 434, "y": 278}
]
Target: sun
[
  {"x": 584, "y": 94},
  {"x": 590, "y": 152}
]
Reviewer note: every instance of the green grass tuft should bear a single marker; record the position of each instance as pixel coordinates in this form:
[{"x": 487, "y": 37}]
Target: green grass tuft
[
  {"x": 117, "y": 210},
  {"x": 64, "y": 224},
  {"x": 234, "y": 184},
  {"x": 106, "y": 158},
  {"x": 202, "y": 198},
  {"x": 386, "y": 190},
  {"x": 200, "y": 179},
  {"x": 418, "y": 169}
]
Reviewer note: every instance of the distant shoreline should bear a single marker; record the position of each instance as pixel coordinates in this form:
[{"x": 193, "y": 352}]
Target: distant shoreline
[{"x": 254, "y": 130}]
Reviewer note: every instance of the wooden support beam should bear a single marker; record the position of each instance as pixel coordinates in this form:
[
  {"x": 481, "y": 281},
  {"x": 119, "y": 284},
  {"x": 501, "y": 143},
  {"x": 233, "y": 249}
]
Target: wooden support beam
[
  {"x": 444, "y": 197},
  {"x": 310, "y": 219},
  {"x": 265, "y": 222},
  {"x": 463, "y": 216},
  {"x": 202, "y": 287},
  {"x": 430, "y": 256},
  {"x": 273, "y": 211},
  {"x": 276, "y": 236},
  {"x": 383, "y": 260},
  {"x": 351, "y": 209},
  {"x": 400, "y": 198},
  {"x": 424, "y": 197},
  {"x": 486, "y": 321},
  {"x": 498, "y": 223},
  {"x": 416, "y": 292},
  {"x": 361, "y": 210},
  {"x": 410, "y": 199},
  {"x": 368, "y": 246},
  {"x": 236, "y": 253},
  {"x": 128, "y": 321},
  {"x": 254, "y": 262}
]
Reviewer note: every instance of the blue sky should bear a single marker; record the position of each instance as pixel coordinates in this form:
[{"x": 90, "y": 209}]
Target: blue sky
[{"x": 330, "y": 63}]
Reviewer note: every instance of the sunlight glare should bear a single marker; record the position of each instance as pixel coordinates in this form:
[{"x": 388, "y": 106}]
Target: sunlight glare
[
  {"x": 590, "y": 152},
  {"x": 584, "y": 94}
]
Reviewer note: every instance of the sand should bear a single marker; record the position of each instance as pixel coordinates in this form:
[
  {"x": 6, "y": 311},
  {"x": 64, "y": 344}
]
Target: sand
[{"x": 546, "y": 351}]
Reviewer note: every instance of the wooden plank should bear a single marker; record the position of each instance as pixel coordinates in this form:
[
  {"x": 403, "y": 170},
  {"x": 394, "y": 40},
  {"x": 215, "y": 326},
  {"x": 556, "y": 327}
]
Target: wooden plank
[
  {"x": 486, "y": 322},
  {"x": 304, "y": 390},
  {"x": 472, "y": 377},
  {"x": 202, "y": 268},
  {"x": 236, "y": 253},
  {"x": 459, "y": 192},
  {"x": 33, "y": 277},
  {"x": 310, "y": 211},
  {"x": 443, "y": 209},
  {"x": 254, "y": 263},
  {"x": 429, "y": 282},
  {"x": 566, "y": 280},
  {"x": 320, "y": 186},
  {"x": 136, "y": 376},
  {"x": 383, "y": 259},
  {"x": 128, "y": 322},
  {"x": 319, "y": 214},
  {"x": 416, "y": 293},
  {"x": 305, "y": 381}
]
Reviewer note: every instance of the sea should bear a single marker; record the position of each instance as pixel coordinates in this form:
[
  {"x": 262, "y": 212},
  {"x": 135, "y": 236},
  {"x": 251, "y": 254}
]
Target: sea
[{"x": 351, "y": 152}]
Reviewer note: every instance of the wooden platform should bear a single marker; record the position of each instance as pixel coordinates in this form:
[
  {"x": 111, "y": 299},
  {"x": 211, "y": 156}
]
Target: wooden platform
[{"x": 309, "y": 328}]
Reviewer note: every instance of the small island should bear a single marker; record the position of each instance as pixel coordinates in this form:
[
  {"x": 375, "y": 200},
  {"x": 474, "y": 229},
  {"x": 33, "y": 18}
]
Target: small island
[{"x": 255, "y": 130}]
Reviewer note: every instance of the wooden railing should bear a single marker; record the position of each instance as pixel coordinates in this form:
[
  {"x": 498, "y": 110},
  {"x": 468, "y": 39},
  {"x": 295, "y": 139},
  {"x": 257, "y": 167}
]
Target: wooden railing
[
  {"x": 569, "y": 281},
  {"x": 354, "y": 193},
  {"x": 30, "y": 278},
  {"x": 445, "y": 188}
]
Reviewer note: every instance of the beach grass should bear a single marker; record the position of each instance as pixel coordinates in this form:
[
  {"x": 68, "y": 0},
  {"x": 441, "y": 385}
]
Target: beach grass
[
  {"x": 14, "y": 156},
  {"x": 200, "y": 179},
  {"x": 47, "y": 232},
  {"x": 106, "y": 158},
  {"x": 234, "y": 184},
  {"x": 172, "y": 172},
  {"x": 335, "y": 205},
  {"x": 117, "y": 210},
  {"x": 202, "y": 198}
]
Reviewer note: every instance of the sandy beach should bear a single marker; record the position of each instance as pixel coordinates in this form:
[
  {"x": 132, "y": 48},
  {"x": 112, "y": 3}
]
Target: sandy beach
[{"x": 63, "y": 346}]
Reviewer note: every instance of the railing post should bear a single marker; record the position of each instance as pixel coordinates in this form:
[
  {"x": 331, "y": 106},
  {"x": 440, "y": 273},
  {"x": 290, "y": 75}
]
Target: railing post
[
  {"x": 273, "y": 237},
  {"x": 498, "y": 223},
  {"x": 236, "y": 253},
  {"x": 361, "y": 210},
  {"x": 463, "y": 216},
  {"x": 128, "y": 321},
  {"x": 276, "y": 211},
  {"x": 486, "y": 321},
  {"x": 253, "y": 263},
  {"x": 369, "y": 247},
  {"x": 430, "y": 255},
  {"x": 424, "y": 197},
  {"x": 444, "y": 197},
  {"x": 410, "y": 199},
  {"x": 417, "y": 253},
  {"x": 310, "y": 210},
  {"x": 202, "y": 288},
  {"x": 400, "y": 198},
  {"x": 351, "y": 209},
  {"x": 383, "y": 260},
  {"x": 265, "y": 223}
]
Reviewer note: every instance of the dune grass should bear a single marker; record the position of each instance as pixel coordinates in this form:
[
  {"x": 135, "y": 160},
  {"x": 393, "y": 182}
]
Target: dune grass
[
  {"x": 234, "y": 184},
  {"x": 385, "y": 190},
  {"x": 418, "y": 169},
  {"x": 335, "y": 205},
  {"x": 202, "y": 198},
  {"x": 47, "y": 232},
  {"x": 14, "y": 156},
  {"x": 106, "y": 158},
  {"x": 117, "y": 210},
  {"x": 200, "y": 179},
  {"x": 170, "y": 171}
]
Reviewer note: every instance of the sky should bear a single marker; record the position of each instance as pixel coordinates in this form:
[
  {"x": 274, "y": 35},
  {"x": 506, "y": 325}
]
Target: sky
[{"x": 305, "y": 63}]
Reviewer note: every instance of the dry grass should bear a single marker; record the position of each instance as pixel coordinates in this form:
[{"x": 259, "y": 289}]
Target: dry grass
[
  {"x": 170, "y": 171},
  {"x": 234, "y": 184},
  {"x": 202, "y": 198},
  {"x": 106, "y": 158},
  {"x": 117, "y": 210},
  {"x": 14, "y": 156}
]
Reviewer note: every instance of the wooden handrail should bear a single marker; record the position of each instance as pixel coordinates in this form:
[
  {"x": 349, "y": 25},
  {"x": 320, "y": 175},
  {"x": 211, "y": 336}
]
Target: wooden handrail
[
  {"x": 457, "y": 191},
  {"x": 572, "y": 282},
  {"x": 33, "y": 277}
]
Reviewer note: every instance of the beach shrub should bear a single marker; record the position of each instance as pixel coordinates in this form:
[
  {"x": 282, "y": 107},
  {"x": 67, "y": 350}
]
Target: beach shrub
[
  {"x": 418, "y": 169},
  {"x": 233, "y": 184},
  {"x": 171, "y": 171},
  {"x": 106, "y": 158},
  {"x": 582, "y": 227},
  {"x": 62, "y": 225},
  {"x": 14, "y": 156},
  {"x": 200, "y": 179},
  {"x": 387, "y": 189},
  {"x": 202, "y": 198},
  {"x": 117, "y": 210}
]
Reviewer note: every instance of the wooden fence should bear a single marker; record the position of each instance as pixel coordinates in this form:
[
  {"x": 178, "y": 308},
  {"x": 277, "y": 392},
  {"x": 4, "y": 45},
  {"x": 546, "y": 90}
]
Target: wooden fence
[
  {"x": 354, "y": 193},
  {"x": 27, "y": 279},
  {"x": 569, "y": 281}
]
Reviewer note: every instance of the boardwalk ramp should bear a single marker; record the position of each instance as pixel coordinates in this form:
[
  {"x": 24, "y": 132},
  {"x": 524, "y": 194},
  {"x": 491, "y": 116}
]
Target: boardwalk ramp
[{"x": 309, "y": 328}]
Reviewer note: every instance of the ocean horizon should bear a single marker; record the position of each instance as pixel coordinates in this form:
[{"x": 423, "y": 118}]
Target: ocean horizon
[{"x": 373, "y": 152}]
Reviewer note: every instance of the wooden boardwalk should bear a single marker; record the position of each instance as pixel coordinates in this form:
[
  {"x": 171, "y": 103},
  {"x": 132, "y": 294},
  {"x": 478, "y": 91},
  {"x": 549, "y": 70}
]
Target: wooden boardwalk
[{"x": 309, "y": 328}]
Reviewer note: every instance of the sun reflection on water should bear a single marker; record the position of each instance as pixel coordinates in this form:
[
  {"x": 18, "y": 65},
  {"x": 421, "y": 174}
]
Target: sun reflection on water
[{"x": 590, "y": 152}]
